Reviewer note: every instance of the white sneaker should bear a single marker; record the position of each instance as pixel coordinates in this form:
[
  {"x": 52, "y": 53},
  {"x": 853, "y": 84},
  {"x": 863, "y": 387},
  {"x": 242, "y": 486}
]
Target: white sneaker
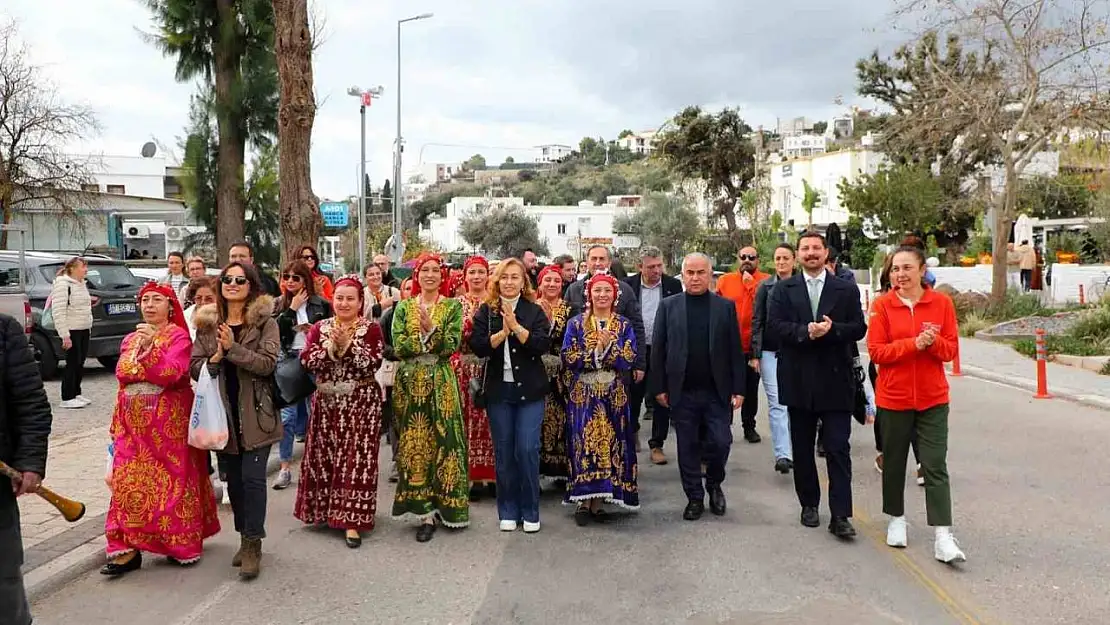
[
  {"x": 217, "y": 489},
  {"x": 947, "y": 550},
  {"x": 920, "y": 476},
  {"x": 73, "y": 404},
  {"x": 84, "y": 400},
  {"x": 508, "y": 526},
  {"x": 531, "y": 528},
  {"x": 896, "y": 531}
]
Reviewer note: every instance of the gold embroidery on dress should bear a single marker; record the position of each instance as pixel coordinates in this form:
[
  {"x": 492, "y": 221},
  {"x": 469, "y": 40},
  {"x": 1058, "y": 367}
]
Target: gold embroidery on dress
[
  {"x": 416, "y": 448},
  {"x": 598, "y": 437}
]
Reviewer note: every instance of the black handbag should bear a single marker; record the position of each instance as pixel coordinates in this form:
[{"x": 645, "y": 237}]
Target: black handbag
[
  {"x": 291, "y": 379},
  {"x": 860, "y": 409},
  {"x": 477, "y": 385}
]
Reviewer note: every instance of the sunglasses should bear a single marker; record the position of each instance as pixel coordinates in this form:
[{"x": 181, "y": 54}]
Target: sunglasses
[
  {"x": 291, "y": 277},
  {"x": 308, "y": 257},
  {"x": 239, "y": 280},
  {"x": 749, "y": 257}
]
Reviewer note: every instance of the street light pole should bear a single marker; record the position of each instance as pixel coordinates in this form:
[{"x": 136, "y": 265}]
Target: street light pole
[
  {"x": 365, "y": 99},
  {"x": 396, "y": 247}
]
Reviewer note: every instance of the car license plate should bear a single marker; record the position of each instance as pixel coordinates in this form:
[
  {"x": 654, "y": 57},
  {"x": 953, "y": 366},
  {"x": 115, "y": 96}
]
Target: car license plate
[{"x": 126, "y": 308}]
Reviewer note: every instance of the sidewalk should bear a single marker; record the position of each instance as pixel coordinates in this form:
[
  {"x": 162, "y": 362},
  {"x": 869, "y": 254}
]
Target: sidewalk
[
  {"x": 56, "y": 550},
  {"x": 999, "y": 362}
]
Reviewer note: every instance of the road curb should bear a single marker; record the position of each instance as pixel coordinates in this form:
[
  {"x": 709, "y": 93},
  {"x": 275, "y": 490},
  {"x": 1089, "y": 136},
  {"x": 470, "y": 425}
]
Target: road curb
[
  {"x": 47, "y": 579},
  {"x": 1093, "y": 401}
]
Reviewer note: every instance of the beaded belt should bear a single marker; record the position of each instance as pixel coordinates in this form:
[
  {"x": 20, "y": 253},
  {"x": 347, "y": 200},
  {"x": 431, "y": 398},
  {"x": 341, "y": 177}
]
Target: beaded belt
[
  {"x": 341, "y": 388},
  {"x": 471, "y": 359},
  {"x": 551, "y": 364},
  {"x": 426, "y": 359},
  {"x": 603, "y": 378},
  {"x": 142, "y": 388}
]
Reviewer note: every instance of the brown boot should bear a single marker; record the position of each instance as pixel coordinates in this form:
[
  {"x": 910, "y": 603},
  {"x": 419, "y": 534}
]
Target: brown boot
[
  {"x": 237, "y": 559},
  {"x": 252, "y": 558},
  {"x": 657, "y": 456}
]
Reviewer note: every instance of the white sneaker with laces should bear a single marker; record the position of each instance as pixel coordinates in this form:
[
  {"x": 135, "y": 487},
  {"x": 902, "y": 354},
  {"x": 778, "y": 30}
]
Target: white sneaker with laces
[
  {"x": 531, "y": 528},
  {"x": 84, "y": 400},
  {"x": 947, "y": 550},
  {"x": 896, "y": 531},
  {"x": 508, "y": 526},
  {"x": 73, "y": 404}
]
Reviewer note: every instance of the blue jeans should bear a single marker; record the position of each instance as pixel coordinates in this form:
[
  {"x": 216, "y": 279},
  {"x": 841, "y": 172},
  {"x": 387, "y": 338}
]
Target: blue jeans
[
  {"x": 516, "y": 448},
  {"x": 291, "y": 419},
  {"x": 778, "y": 415}
]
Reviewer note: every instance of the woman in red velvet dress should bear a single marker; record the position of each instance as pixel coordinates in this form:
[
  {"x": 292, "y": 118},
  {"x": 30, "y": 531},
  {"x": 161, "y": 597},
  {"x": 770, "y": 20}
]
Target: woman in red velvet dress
[{"x": 469, "y": 367}]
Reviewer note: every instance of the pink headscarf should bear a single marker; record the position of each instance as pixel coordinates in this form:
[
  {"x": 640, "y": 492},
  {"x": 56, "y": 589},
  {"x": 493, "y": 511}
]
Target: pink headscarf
[
  {"x": 177, "y": 315},
  {"x": 350, "y": 280}
]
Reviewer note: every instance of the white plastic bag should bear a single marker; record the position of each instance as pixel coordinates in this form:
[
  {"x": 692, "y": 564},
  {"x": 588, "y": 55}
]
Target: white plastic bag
[{"x": 207, "y": 421}]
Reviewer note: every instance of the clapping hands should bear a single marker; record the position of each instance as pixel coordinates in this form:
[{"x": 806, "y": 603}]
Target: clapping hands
[
  {"x": 817, "y": 329},
  {"x": 927, "y": 337}
]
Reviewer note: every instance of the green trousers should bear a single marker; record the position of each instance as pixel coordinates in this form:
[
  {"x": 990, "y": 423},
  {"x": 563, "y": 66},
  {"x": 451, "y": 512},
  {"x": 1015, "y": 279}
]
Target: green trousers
[{"x": 932, "y": 440}]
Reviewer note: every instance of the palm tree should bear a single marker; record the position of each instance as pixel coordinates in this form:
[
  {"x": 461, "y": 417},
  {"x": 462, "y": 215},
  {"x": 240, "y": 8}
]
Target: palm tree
[{"x": 228, "y": 45}]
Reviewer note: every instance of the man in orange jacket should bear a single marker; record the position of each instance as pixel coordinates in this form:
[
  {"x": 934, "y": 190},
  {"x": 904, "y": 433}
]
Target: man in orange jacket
[{"x": 740, "y": 287}]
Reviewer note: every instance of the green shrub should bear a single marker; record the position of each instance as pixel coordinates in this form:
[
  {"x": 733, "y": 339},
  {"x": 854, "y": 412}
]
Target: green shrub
[
  {"x": 1065, "y": 344},
  {"x": 974, "y": 322},
  {"x": 1017, "y": 305}
]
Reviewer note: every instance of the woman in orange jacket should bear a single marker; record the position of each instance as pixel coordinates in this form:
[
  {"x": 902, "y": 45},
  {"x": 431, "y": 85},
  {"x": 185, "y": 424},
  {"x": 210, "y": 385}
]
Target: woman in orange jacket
[{"x": 912, "y": 333}]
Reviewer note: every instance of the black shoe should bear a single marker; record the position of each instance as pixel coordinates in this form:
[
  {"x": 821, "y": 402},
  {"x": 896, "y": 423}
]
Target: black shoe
[
  {"x": 841, "y": 527},
  {"x": 425, "y": 532},
  {"x": 353, "y": 542},
  {"x": 583, "y": 516},
  {"x": 717, "y": 503},
  {"x": 694, "y": 510},
  {"x": 751, "y": 435},
  {"x": 476, "y": 492},
  {"x": 115, "y": 570},
  {"x": 783, "y": 465},
  {"x": 176, "y": 562},
  {"x": 810, "y": 517}
]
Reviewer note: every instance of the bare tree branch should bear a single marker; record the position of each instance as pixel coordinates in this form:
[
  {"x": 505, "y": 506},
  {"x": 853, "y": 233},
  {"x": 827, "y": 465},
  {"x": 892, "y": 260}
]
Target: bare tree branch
[{"x": 36, "y": 126}]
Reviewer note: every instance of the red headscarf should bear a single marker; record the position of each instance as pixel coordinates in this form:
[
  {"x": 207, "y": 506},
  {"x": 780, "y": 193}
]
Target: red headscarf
[
  {"x": 599, "y": 278},
  {"x": 457, "y": 280},
  {"x": 423, "y": 259},
  {"x": 350, "y": 280},
  {"x": 473, "y": 260},
  {"x": 177, "y": 315},
  {"x": 546, "y": 270}
]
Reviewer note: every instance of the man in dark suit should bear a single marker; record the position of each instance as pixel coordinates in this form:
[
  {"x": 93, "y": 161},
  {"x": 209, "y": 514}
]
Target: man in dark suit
[
  {"x": 697, "y": 370},
  {"x": 651, "y": 287},
  {"x": 816, "y": 318}
]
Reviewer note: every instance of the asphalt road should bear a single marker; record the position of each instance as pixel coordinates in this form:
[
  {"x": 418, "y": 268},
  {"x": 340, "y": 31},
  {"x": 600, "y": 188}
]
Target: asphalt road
[
  {"x": 1029, "y": 484},
  {"x": 100, "y": 386}
]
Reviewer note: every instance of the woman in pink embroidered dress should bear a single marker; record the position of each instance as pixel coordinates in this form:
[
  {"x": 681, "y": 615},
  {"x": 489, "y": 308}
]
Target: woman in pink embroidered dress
[
  {"x": 162, "y": 501},
  {"x": 467, "y": 366}
]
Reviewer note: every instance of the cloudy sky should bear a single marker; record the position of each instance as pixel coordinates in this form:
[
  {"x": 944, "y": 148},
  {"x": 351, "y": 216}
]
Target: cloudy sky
[{"x": 492, "y": 76}]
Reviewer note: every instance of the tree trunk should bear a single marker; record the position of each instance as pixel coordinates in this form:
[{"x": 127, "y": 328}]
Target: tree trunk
[
  {"x": 726, "y": 208},
  {"x": 300, "y": 211},
  {"x": 231, "y": 154},
  {"x": 1003, "y": 218}
]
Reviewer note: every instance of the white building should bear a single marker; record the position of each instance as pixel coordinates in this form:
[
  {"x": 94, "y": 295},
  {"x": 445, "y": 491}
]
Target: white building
[
  {"x": 553, "y": 152},
  {"x": 639, "y": 142},
  {"x": 823, "y": 172},
  {"x": 565, "y": 229},
  {"x": 432, "y": 173},
  {"x": 796, "y": 146},
  {"x": 135, "y": 194}
]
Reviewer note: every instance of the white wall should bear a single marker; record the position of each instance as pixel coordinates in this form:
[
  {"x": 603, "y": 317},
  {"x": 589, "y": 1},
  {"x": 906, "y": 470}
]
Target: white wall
[
  {"x": 1065, "y": 280},
  {"x": 823, "y": 172},
  {"x": 143, "y": 177}
]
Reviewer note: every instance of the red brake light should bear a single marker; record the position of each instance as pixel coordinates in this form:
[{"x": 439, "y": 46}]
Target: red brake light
[
  {"x": 94, "y": 300},
  {"x": 27, "y": 319}
]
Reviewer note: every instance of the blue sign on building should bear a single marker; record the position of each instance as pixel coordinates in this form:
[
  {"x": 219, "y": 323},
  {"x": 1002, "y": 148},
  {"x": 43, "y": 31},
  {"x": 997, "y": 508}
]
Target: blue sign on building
[{"x": 335, "y": 214}]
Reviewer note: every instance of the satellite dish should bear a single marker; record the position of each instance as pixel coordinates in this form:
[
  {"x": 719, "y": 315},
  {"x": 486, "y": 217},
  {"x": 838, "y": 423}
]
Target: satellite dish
[{"x": 149, "y": 149}]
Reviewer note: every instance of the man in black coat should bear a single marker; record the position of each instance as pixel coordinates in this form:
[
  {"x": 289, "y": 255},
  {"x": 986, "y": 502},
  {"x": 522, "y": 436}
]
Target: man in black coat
[
  {"x": 24, "y": 429},
  {"x": 651, "y": 287},
  {"x": 817, "y": 319},
  {"x": 697, "y": 370}
]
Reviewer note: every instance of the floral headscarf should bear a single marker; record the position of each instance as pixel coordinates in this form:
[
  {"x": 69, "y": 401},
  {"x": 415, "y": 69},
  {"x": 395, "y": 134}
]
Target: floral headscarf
[
  {"x": 423, "y": 259},
  {"x": 599, "y": 278},
  {"x": 351, "y": 280},
  {"x": 177, "y": 315},
  {"x": 473, "y": 260}
]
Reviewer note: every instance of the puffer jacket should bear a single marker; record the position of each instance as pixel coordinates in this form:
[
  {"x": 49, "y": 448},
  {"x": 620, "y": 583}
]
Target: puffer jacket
[
  {"x": 70, "y": 305},
  {"x": 25, "y": 416},
  {"x": 254, "y": 355}
]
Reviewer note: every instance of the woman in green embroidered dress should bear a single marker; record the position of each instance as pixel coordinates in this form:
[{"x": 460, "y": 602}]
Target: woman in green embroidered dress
[{"x": 431, "y": 451}]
